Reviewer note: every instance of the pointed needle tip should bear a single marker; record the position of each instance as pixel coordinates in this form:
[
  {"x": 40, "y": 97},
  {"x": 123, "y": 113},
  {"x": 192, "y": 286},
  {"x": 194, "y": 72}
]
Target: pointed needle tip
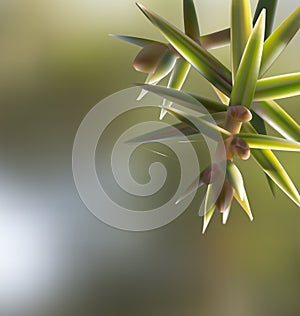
[
  {"x": 162, "y": 114},
  {"x": 139, "y": 5}
]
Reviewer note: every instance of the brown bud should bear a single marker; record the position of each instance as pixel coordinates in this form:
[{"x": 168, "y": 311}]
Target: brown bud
[
  {"x": 210, "y": 174},
  {"x": 149, "y": 57},
  {"x": 240, "y": 148},
  {"x": 240, "y": 113},
  {"x": 225, "y": 198}
]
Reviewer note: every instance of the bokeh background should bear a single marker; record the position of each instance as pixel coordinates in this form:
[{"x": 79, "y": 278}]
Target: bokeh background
[{"x": 56, "y": 258}]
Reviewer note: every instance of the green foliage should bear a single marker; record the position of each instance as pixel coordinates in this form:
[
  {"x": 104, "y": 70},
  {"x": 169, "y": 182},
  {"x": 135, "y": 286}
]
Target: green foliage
[
  {"x": 241, "y": 29},
  {"x": 204, "y": 62},
  {"x": 249, "y": 65},
  {"x": 253, "y": 51}
]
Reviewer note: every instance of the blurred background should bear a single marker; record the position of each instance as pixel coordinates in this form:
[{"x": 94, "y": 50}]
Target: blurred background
[{"x": 56, "y": 258}]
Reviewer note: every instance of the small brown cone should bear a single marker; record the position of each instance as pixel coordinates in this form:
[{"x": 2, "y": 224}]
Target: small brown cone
[
  {"x": 149, "y": 57},
  {"x": 240, "y": 148},
  {"x": 225, "y": 198},
  {"x": 240, "y": 113}
]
